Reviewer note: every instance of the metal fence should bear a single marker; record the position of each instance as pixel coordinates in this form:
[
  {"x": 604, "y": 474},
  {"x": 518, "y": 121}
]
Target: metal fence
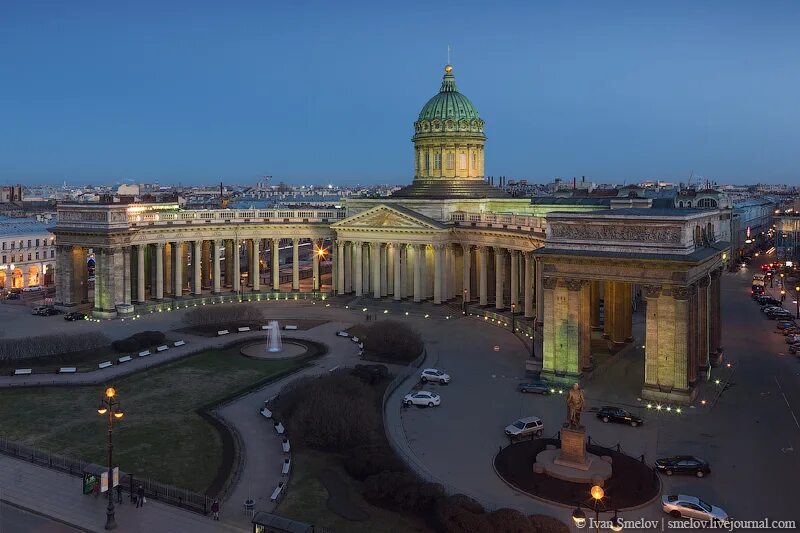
[{"x": 155, "y": 490}]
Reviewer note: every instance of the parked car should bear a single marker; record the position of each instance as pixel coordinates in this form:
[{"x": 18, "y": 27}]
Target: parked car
[
  {"x": 38, "y": 309},
  {"x": 770, "y": 308},
  {"x": 683, "y": 464},
  {"x": 615, "y": 414},
  {"x": 793, "y": 348},
  {"x": 49, "y": 311},
  {"x": 786, "y": 324},
  {"x": 780, "y": 315},
  {"x": 525, "y": 426},
  {"x": 75, "y": 315},
  {"x": 422, "y": 397},
  {"x": 13, "y": 296},
  {"x": 432, "y": 374},
  {"x": 536, "y": 387},
  {"x": 681, "y": 505},
  {"x": 792, "y": 339},
  {"x": 768, "y": 300}
]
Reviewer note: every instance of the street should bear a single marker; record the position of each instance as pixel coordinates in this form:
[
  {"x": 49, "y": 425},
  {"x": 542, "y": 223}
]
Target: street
[{"x": 16, "y": 520}]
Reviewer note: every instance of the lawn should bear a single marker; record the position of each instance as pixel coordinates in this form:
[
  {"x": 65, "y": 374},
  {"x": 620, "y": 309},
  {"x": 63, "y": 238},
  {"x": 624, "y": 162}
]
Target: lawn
[
  {"x": 306, "y": 500},
  {"x": 161, "y": 435}
]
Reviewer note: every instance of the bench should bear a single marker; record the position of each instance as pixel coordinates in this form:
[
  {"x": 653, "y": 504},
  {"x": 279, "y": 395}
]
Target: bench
[
  {"x": 264, "y": 327},
  {"x": 277, "y": 492},
  {"x": 279, "y": 429},
  {"x": 286, "y": 446},
  {"x": 125, "y": 359},
  {"x": 144, "y": 353},
  {"x": 178, "y": 343},
  {"x": 266, "y": 413},
  {"x": 342, "y": 334},
  {"x": 354, "y": 339},
  {"x": 67, "y": 370},
  {"x": 243, "y": 329},
  {"x": 290, "y": 327},
  {"x": 287, "y": 463},
  {"x": 104, "y": 365},
  {"x": 162, "y": 348},
  {"x": 23, "y": 371}
]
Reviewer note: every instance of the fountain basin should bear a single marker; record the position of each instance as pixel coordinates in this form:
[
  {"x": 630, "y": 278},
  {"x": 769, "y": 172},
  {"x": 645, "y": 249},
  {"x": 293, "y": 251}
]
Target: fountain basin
[{"x": 289, "y": 350}]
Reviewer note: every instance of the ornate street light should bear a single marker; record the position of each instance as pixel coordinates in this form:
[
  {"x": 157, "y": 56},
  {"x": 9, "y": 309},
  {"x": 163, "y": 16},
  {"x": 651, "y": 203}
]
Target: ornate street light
[
  {"x": 513, "y": 318},
  {"x": 797, "y": 300},
  {"x": 579, "y": 517},
  {"x": 464, "y": 303},
  {"x": 109, "y": 405}
]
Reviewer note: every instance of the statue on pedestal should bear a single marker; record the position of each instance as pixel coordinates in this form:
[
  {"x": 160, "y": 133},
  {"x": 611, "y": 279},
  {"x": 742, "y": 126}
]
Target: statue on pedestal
[{"x": 575, "y": 404}]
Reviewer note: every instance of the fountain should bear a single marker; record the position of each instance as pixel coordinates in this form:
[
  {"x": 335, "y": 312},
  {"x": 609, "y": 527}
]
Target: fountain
[{"x": 273, "y": 337}]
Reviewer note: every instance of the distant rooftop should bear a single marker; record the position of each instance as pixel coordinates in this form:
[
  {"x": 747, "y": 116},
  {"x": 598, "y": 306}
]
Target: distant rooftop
[
  {"x": 659, "y": 212},
  {"x": 23, "y": 226}
]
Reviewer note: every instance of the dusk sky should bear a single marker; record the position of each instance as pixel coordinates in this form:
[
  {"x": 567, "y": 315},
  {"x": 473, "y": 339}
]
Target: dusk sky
[{"x": 319, "y": 92}]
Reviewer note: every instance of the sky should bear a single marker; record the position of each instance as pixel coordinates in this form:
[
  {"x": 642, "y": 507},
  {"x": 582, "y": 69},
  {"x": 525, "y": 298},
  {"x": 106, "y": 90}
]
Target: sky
[{"x": 195, "y": 92}]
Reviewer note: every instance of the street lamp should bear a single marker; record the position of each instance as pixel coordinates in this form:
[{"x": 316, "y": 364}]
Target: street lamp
[
  {"x": 797, "y": 300},
  {"x": 513, "y": 318},
  {"x": 579, "y": 517},
  {"x": 110, "y": 405},
  {"x": 464, "y": 303},
  {"x": 783, "y": 295}
]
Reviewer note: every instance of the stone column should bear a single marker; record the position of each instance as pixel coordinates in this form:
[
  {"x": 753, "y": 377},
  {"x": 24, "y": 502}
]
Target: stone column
[
  {"x": 296, "y": 264},
  {"x": 514, "y": 278},
  {"x": 680, "y": 378},
  {"x": 315, "y": 266},
  {"x": 714, "y": 313},
  {"x": 159, "y": 284},
  {"x": 236, "y": 268},
  {"x": 230, "y": 245},
  {"x": 348, "y": 267},
  {"x": 340, "y": 285},
  {"x": 126, "y": 274},
  {"x": 216, "y": 283},
  {"x": 276, "y": 266},
  {"x": 627, "y": 310},
  {"x": 466, "y": 292},
  {"x": 483, "y": 267},
  {"x": 527, "y": 286},
  {"x": 391, "y": 250},
  {"x": 197, "y": 277},
  {"x": 568, "y": 351},
  {"x": 692, "y": 335},
  {"x": 376, "y": 266},
  {"x": 382, "y": 253},
  {"x": 419, "y": 258},
  {"x": 651, "y": 361},
  {"x": 177, "y": 269},
  {"x": 398, "y": 271},
  {"x": 702, "y": 321},
  {"x": 64, "y": 271},
  {"x": 168, "y": 258},
  {"x": 206, "y": 264},
  {"x": 140, "y": 293},
  {"x": 585, "y": 326},
  {"x": 438, "y": 266},
  {"x": 547, "y": 314},
  {"x": 255, "y": 265},
  {"x": 499, "y": 277},
  {"x": 358, "y": 268},
  {"x": 595, "y": 303},
  {"x": 539, "y": 290}
]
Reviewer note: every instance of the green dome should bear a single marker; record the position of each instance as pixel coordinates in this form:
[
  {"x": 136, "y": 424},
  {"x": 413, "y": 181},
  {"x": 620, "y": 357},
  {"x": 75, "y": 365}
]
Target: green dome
[{"x": 449, "y": 103}]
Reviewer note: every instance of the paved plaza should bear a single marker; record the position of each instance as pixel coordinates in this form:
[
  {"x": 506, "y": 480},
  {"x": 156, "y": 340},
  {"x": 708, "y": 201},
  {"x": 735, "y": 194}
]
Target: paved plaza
[{"x": 748, "y": 432}]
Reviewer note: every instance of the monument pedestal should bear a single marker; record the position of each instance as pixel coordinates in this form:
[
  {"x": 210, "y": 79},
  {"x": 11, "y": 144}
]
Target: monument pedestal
[{"x": 573, "y": 449}]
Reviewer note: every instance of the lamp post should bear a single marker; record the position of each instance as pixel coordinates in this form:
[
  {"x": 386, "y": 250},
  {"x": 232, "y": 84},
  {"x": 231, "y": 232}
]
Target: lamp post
[
  {"x": 783, "y": 295},
  {"x": 797, "y": 301},
  {"x": 464, "y": 303},
  {"x": 513, "y": 318},
  {"x": 110, "y": 405},
  {"x": 579, "y": 517}
]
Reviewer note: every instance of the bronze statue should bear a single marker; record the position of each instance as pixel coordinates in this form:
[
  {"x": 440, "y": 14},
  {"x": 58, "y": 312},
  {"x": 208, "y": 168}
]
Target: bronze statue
[{"x": 575, "y": 403}]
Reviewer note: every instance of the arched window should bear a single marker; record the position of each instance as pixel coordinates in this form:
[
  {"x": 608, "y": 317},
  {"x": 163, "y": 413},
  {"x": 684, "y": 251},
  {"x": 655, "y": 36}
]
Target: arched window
[
  {"x": 698, "y": 235},
  {"x": 462, "y": 161},
  {"x": 680, "y": 204},
  {"x": 437, "y": 161},
  {"x": 689, "y": 204},
  {"x": 450, "y": 161},
  {"x": 427, "y": 161},
  {"x": 707, "y": 202}
]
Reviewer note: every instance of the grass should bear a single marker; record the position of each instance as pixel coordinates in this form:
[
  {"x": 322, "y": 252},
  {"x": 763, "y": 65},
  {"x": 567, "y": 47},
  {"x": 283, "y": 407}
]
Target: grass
[
  {"x": 306, "y": 499},
  {"x": 161, "y": 435}
]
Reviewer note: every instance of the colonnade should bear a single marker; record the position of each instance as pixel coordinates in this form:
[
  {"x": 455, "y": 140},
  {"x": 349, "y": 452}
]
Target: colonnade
[
  {"x": 682, "y": 328},
  {"x": 437, "y": 272}
]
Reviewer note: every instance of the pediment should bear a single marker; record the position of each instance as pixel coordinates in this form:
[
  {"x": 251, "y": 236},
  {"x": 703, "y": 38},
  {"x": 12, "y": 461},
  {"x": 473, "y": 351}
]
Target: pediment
[{"x": 384, "y": 216}]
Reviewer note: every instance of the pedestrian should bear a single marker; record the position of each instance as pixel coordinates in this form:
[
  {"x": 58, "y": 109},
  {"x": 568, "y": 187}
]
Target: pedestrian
[
  {"x": 140, "y": 501},
  {"x": 96, "y": 488},
  {"x": 215, "y": 509},
  {"x": 119, "y": 494}
]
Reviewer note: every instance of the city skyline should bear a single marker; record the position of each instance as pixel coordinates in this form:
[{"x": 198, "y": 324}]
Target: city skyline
[{"x": 198, "y": 95}]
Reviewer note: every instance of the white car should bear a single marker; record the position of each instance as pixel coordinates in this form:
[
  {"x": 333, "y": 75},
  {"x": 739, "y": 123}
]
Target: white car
[
  {"x": 523, "y": 427},
  {"x": 422, "y": 397},
  {"x": 431, "y": 374},
  {"x": 681, "y": 505}
]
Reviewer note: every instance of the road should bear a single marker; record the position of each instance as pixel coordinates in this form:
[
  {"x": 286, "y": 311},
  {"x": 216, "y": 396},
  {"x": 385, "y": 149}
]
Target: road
[{"x": 16, "y": 520}]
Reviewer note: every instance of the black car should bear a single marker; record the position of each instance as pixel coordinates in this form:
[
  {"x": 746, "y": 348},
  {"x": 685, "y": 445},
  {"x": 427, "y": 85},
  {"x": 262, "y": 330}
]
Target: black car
[
  {"x": 683, "y": 464},
  {"x": 780, "y": 314},
  {"x": 615, "y": 414},
  {"x": 48, "y": 311},
  {"x": 768, "y": 300},
  {"x": 536, "y": 387},
  {"x": 75, "y": 315},
  {"x": 13, "y": 296}
]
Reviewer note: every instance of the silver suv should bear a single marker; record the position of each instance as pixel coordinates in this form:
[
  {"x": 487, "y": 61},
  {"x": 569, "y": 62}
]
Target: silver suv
[{"x": 524, "y": 427}]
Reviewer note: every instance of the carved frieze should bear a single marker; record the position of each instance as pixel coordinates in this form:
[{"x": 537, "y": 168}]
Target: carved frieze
[
  {"x": 574, "y": 284},
  {"x": 616, "y": 232}
]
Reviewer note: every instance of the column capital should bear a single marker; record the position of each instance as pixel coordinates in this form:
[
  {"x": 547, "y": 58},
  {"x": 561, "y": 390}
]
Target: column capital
[
  {"x": 575, "y": 284},
  {"x": 703, "y": 282},
  {"x": 681, "y": 293},
  {"x": 499, "y": 250},
  {"x": 482, "y": 248},
  {"x": 549, "y": 283},
  {"x": 651, "y": 291},
  {"x": 467, "y": 248},
  {"x": 160, "y": 245}
]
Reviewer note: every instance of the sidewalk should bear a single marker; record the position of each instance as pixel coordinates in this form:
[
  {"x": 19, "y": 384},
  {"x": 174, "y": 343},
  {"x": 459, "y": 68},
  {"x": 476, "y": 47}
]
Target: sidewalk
[{"x": 59, "y": 495}]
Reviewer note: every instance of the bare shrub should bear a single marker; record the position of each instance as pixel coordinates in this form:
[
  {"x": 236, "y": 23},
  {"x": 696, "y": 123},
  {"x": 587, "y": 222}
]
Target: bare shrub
[
  {"x": 221, "y": 314},
  {"x": 392, "y": 340},
  {"x": 46, "y": 345}
]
